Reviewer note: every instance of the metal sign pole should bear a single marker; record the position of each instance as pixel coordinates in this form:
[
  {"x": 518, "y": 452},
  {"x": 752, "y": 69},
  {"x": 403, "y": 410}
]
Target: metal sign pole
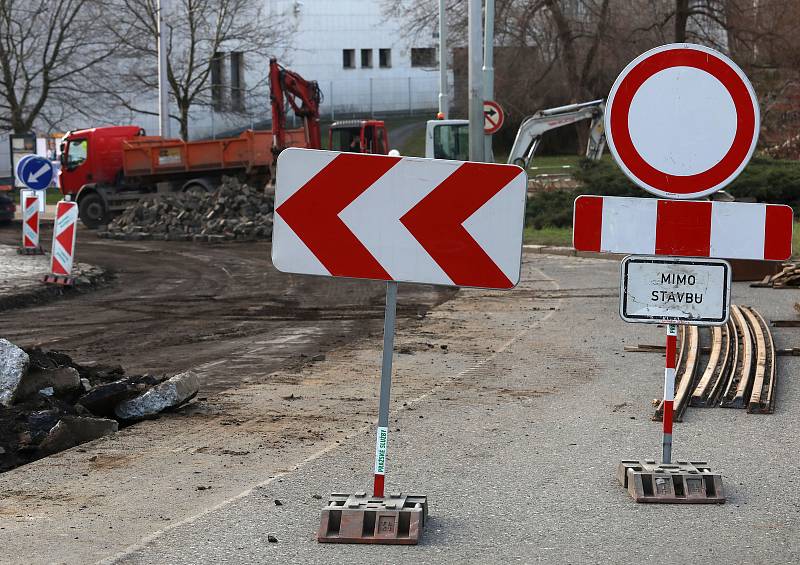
[
  {"x": 669, "y": 392},
  {"x": 386, "y": 384}
]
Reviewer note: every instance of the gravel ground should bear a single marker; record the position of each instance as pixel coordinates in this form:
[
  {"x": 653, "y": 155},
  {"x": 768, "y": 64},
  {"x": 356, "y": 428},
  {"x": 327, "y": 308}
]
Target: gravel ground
[{"x": 516, "y": 442}]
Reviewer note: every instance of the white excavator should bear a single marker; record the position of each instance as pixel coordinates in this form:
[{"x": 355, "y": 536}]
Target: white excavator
[{"x": 449, "y": 139}]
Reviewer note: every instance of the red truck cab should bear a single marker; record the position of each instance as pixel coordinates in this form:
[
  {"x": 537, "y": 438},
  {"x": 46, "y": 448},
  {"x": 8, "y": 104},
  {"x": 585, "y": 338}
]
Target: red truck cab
[{"x": 92, "y": 156}]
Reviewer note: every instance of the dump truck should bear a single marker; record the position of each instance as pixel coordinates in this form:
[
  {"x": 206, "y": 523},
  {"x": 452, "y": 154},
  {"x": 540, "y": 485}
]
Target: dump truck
[{"x": 106, "y": 169}]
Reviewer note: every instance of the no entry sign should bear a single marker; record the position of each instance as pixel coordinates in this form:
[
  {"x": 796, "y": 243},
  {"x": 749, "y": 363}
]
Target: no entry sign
[
  {"x": 682, "y": 120},
  {"x": 671, "y": 290},
  {"x": 398, "y": 218}
]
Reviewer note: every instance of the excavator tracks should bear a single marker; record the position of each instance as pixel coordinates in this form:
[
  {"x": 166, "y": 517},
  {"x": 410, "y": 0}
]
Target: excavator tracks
[{"x": 738, "y": 369}]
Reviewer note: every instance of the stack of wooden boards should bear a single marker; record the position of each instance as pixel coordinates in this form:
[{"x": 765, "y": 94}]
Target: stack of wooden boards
[{"x": 789, "y": 277}]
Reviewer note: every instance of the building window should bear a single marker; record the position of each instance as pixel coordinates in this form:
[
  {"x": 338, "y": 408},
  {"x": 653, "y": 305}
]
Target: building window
[
  {"x": 385, "y": 58},
  {"x": 237, "y": 81},
  {"x": 349, "y": 58},
  {"x": 423, "y": 56},
  {"x": 366, "y": 58},
  {"x": 217, "y": 92}
]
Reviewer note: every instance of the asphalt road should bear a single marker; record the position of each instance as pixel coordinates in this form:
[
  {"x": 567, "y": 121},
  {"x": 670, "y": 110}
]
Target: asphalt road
[{"x": 516, "y": 444}]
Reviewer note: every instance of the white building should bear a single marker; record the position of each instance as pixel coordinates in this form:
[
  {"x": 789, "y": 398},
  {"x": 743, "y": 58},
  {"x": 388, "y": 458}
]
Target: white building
[
  {"x": 363, "y": 62},
  {"x": 361, "y": 58}
]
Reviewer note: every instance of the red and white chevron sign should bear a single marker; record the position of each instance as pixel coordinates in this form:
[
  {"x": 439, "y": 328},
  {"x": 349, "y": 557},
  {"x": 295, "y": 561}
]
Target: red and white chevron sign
[
  {"x": 398, "y": 218},
  {"x": 64, "y": 232},
  {"x": 685, "y": 228},
  {"x": 30, "y": 221}
]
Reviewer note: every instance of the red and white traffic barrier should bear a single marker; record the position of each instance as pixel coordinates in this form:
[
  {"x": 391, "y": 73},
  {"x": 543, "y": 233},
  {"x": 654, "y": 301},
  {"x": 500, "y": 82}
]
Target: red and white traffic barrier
[
  {"x": 685, "y": 228},
  {"x": 30, "y": 224},
  {"x": 64, "y": 233}
]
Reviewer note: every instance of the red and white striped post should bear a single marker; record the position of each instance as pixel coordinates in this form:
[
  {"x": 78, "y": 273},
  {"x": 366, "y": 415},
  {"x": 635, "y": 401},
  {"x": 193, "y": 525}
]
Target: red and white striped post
[
  {"x": 30, "y": 224},
  {"x": 669, "y": 391},
  {"x": 64, "y": 234}
]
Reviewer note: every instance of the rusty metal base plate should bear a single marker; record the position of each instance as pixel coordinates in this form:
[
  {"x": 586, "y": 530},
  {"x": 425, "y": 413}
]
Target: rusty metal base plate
[
  {"x": 358, "y": 518},
  {"x": 684, "y": 482},
  {"x": 30, "y": 251}
]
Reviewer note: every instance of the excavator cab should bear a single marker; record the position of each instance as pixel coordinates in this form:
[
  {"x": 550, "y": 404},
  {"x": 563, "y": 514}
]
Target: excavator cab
[
  {"x": 447, "y": 139},
  {"x": 359, "y": 136}
]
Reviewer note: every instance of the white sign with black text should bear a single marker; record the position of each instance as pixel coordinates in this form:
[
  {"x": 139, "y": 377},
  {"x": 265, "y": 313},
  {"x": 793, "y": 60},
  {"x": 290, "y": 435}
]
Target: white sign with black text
[{"x": 656, "y": 290}]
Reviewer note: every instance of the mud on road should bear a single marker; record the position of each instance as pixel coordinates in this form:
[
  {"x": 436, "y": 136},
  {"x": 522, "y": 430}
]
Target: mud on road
[{"x": 223, "y": 310}]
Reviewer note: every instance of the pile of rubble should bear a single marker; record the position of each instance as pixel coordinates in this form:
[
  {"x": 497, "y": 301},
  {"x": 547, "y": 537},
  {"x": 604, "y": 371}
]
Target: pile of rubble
[
  {"x": 48, "y": 403},
  {"x": 234, "y": 211}
]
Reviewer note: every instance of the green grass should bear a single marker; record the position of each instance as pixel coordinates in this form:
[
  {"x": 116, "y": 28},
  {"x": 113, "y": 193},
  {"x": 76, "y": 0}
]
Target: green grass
[
  {"x": 548, "y": 236},
  {"x": 414, "y": 145}
]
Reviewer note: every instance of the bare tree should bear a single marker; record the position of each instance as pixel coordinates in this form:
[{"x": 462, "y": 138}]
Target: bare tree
[
  {"x": 200, "y": 33},
  {"x": 46, "y": 49}
]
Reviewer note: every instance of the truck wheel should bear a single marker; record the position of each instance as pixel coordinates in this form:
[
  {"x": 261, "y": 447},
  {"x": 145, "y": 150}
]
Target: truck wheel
[{"x": 92, "y": 211}]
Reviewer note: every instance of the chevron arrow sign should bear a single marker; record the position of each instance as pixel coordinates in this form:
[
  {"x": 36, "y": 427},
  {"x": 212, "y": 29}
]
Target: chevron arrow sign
[{"x": 398, "y": 218}]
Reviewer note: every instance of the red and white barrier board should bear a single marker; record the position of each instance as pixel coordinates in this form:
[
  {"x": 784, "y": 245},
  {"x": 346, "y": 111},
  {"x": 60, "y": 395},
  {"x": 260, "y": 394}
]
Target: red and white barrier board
[
  {"x": 649, "y": 226},
  {"x": 64, "y": 233},
  {"x": 398, "y": 218},
  {"x": 30, "y": 221}
]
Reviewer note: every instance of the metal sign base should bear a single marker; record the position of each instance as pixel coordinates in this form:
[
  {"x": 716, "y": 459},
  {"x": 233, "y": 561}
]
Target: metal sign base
[
  {"x": 30, "y": 250},
  {"x": 60, "y": 280},
  {"x": 684, "y": 482},
  {"x": 358, "y": 518}
]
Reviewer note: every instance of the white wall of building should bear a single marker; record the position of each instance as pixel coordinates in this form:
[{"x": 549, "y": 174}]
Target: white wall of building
[
  {"x": 324, "y": 29},
  {"x": 327, "y": 27}
]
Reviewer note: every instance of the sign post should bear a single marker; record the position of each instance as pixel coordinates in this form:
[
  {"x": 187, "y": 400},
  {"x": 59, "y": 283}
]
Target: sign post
[
  {"x": 382, "y": 438},
  {"x": 394, "y": 219},
  {"x": 682, "y": 122}
]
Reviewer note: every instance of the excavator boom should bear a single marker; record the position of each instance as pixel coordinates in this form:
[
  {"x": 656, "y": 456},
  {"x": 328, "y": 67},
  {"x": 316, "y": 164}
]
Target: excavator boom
[
  {"x": 303, "y": 96},
  {"x": 530, "y": 132}
]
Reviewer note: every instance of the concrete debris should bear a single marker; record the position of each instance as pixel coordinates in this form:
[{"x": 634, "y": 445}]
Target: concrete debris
[
  {"x": 52, "y": 403},
  {"x": 75, "y": 430},
  {"x": 13, "y": 364},
  {"x": 234, "y": 211},
  {"x": 171, "y": 393},
  {"x": 61, "y": 380},
  {"x": 104, "y": 399}
]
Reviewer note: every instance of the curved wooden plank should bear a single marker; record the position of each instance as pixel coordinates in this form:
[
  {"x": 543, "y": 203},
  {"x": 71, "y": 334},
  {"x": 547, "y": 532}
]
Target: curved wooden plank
[
  {"x": 740, "y": 379},
  {"x": 762, "y": 399}
]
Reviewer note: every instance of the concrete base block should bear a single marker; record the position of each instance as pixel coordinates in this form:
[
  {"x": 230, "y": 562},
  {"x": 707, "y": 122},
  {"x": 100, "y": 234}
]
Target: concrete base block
[
  {"x": 683, "y": 482},
  {"x": 358, "y": 518}
]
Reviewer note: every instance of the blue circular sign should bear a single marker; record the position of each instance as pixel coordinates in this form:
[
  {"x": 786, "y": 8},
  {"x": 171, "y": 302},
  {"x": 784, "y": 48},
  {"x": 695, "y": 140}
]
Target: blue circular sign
[{"x": 35, "y": 172}]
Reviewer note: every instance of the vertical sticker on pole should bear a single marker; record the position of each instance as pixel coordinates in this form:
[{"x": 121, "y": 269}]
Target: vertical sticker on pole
[{"x": 380, "y": 450}]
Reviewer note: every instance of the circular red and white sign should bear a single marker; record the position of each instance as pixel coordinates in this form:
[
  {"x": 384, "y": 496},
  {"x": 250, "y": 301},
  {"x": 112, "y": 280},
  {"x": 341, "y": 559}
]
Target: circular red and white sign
[
  {"x": 682, "y": 120},
  {"x": 493, "y": 117}
]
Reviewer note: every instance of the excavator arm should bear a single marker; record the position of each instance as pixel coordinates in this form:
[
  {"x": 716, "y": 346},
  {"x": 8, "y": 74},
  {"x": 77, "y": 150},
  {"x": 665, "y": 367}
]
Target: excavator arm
[
  {"x": 303, "y": 96},
  {"x": 530, "y": 132}
]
